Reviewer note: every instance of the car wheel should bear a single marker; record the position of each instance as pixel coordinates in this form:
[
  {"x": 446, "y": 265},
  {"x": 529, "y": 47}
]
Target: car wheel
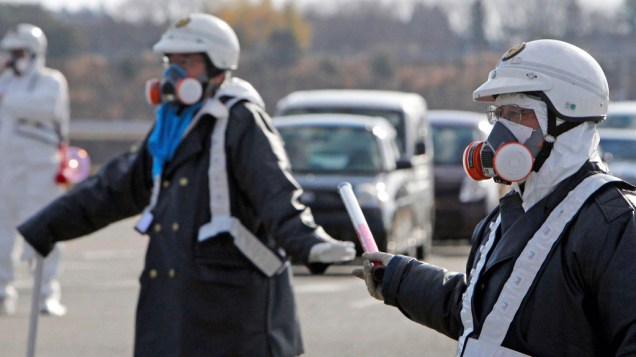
[{"x": 425, "y": 244}]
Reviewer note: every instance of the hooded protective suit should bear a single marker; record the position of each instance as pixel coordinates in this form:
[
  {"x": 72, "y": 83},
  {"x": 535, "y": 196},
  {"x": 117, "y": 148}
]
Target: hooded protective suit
[{"x": 34, "y": 120}]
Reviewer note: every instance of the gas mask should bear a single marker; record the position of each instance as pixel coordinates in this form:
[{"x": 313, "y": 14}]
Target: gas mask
[
  {"x": 19, "y": 64},
  {"x": 502, "y": 156},
  {"x": 174, "y": 87}
]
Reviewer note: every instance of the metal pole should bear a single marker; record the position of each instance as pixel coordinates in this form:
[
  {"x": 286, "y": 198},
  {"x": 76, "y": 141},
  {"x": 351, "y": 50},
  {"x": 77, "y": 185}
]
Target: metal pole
[{"x": 35, "y": 305}]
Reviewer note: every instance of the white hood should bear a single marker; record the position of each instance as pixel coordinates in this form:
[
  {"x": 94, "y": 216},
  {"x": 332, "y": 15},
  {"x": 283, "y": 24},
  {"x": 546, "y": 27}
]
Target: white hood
[
  {"x": 240, "y": 89},
  {"x": 571, "y": 150}
]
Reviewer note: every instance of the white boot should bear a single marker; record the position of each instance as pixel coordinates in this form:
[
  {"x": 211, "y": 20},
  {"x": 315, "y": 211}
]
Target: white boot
[
  {"x": 8, "y": 301},
  {"x": 50, "y": 299},
  {"x": 52, "y": 306}
]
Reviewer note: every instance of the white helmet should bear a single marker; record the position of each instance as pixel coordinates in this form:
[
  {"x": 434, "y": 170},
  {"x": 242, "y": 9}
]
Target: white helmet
[
  {"x": 27, "y": 37},
  {"x": 202, "y": 33},
  {"x": 568, "y": 79}
]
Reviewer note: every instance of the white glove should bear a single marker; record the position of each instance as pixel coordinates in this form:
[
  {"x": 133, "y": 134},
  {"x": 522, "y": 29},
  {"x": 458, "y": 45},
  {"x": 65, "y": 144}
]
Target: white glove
[
  {"x": 28, "y": 255},
  {"x": 332, "y": 252},
  {"x": 369, "y": 273}
]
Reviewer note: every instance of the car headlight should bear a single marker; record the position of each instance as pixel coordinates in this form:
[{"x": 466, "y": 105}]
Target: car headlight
[{"x": 371, "y": 195}]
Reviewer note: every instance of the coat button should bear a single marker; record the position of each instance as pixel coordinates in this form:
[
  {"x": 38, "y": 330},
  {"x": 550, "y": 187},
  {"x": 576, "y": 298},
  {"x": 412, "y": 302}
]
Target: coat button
[
  {"x": 157, "y": 227},
  {"x": 152, "y": 273},
  {"x": 166, "y": 183},
  {"x": 183, "y": 181},
  {"x": 175, "y": 227},
  {"x": 171, "y": 273}
]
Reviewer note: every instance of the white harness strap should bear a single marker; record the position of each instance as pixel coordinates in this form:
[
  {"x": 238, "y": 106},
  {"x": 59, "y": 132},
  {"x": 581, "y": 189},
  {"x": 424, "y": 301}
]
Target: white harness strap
[
  {"x": 524, "y": 272},
  {"x": 222, "y": 221},
  {"x": 467, "y": 310}
]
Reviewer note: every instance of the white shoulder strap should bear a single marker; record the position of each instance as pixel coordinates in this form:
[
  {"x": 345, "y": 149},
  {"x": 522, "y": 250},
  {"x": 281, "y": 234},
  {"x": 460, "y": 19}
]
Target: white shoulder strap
[
  {"x": 222, "y": 220},
  {"x": 467, "y": 309},
  {"x": 529, "y": 262}
]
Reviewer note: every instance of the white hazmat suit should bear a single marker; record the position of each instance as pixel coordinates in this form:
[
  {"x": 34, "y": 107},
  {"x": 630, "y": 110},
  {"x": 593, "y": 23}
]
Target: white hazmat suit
[{"x": 34, "y": 120}]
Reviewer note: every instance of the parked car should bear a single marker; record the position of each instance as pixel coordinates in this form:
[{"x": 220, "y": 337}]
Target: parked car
[
  {"x": 618, "y": 148},
  {"x": 407, "y": 113},
  {"x": 620, "y": 115},
  {"x": 460, "y": 202},
  {"x": 327, "y": 149}
]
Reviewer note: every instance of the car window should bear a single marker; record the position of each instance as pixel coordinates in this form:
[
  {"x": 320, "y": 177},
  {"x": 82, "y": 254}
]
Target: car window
[
  {"x": 619, "y": 121},
  {"x": 449, "y": 143},
  {"x": 331, "y": 150},
  {"x": 621, "y": 149},
  {"x": 396, "y": 118}
]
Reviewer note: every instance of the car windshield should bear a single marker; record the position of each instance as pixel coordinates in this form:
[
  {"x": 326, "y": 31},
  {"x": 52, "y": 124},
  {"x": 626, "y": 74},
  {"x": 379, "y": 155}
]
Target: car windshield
[
  {"x": 449, "y": 143},
  {"x": 619, "y": 121},
  {"x": 331, "y": 150},
  {"x": 394, "y": 117},
  {"x": 621, "y": 149}
]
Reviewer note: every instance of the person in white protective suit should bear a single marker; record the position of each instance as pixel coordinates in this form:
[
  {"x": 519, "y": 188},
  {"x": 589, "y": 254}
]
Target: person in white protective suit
[
  {"x": 551, "y": 270},
  {"x": 34, "y": 120}
]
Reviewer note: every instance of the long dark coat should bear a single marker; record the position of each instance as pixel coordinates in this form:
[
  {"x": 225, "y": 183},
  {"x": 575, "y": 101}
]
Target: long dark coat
[
  {"x": 200, "y": 298},
  {"x": 581, "y": 303}
]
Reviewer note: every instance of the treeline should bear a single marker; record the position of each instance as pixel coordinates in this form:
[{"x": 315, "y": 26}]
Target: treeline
[{"x": 107, "y": 59}]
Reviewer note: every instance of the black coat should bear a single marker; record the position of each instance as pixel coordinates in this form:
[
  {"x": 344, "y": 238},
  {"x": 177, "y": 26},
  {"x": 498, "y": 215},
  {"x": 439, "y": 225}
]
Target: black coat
[
  {"x": 200, "y": 298},
  {"x": 581, "y": 303}
]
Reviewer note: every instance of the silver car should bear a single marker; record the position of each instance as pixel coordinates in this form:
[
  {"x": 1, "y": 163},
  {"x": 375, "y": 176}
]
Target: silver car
[
  {"x": 407, "y": 113},
  {"x": 618, "y": 147},
  {"x": 326, "y": 149}
]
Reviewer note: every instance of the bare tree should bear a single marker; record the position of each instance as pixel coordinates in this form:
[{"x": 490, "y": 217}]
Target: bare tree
[
  {"x": 162, "y": 11},
  {"x": 528, "y": 20},
  {"x": 628, "y": 16},
  {"x": 478, "y": 25}
]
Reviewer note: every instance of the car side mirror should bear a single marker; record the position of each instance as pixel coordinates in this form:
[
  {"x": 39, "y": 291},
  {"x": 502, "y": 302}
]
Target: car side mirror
[
  {"x": 420, "y": 148},
  {"x": 403, "y": 164}
]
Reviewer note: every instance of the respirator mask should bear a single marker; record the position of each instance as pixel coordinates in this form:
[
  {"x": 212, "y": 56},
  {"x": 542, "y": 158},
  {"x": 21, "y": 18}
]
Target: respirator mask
[
  {"x": 507, "y": 155},
  {"x": 19, "y": 62},
  {"x": 174, "y": 87}
]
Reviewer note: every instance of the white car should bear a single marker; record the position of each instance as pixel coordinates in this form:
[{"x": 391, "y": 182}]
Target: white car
[
  {"x": 407, "y": 113},
  {"x": 618, "y": 147},
  {"x": 327, "y": 149},
  {"x": 620, "y": 115}
]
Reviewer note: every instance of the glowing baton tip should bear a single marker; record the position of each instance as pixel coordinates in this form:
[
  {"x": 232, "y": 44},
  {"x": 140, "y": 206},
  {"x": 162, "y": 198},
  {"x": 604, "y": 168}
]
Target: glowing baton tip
[{"x": 357, "y": 218}]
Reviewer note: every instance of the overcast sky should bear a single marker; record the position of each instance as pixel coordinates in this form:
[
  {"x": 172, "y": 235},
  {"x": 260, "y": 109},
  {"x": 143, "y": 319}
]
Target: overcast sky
[{"x": 73, "y": 5}]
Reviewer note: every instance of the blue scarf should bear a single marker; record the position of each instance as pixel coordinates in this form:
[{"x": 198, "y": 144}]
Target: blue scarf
[{"x": 167, "y": 133}]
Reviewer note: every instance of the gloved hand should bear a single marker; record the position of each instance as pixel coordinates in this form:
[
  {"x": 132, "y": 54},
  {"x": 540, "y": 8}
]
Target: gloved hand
[
  {"x": 374, "y": 287},
  {"x": 60, "y": 177},
  {"x": 333, "y": 251}
]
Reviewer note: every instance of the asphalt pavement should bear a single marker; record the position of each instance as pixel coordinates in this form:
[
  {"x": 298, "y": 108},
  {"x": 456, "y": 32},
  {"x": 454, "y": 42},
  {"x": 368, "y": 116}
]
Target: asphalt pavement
[{"x": 100, "y": 286}]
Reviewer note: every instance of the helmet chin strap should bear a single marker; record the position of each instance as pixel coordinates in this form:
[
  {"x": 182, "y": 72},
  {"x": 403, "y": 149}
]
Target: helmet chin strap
[
  {"x": 550, "y": 138},
  {"x": 211, "y": 88}
]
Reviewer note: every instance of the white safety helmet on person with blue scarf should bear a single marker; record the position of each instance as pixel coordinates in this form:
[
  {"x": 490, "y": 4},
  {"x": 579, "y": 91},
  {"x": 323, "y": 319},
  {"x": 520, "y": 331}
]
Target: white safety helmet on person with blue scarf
[
  {"x": 198, "y": 33},
  {"x": 202, "y": 33}
]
